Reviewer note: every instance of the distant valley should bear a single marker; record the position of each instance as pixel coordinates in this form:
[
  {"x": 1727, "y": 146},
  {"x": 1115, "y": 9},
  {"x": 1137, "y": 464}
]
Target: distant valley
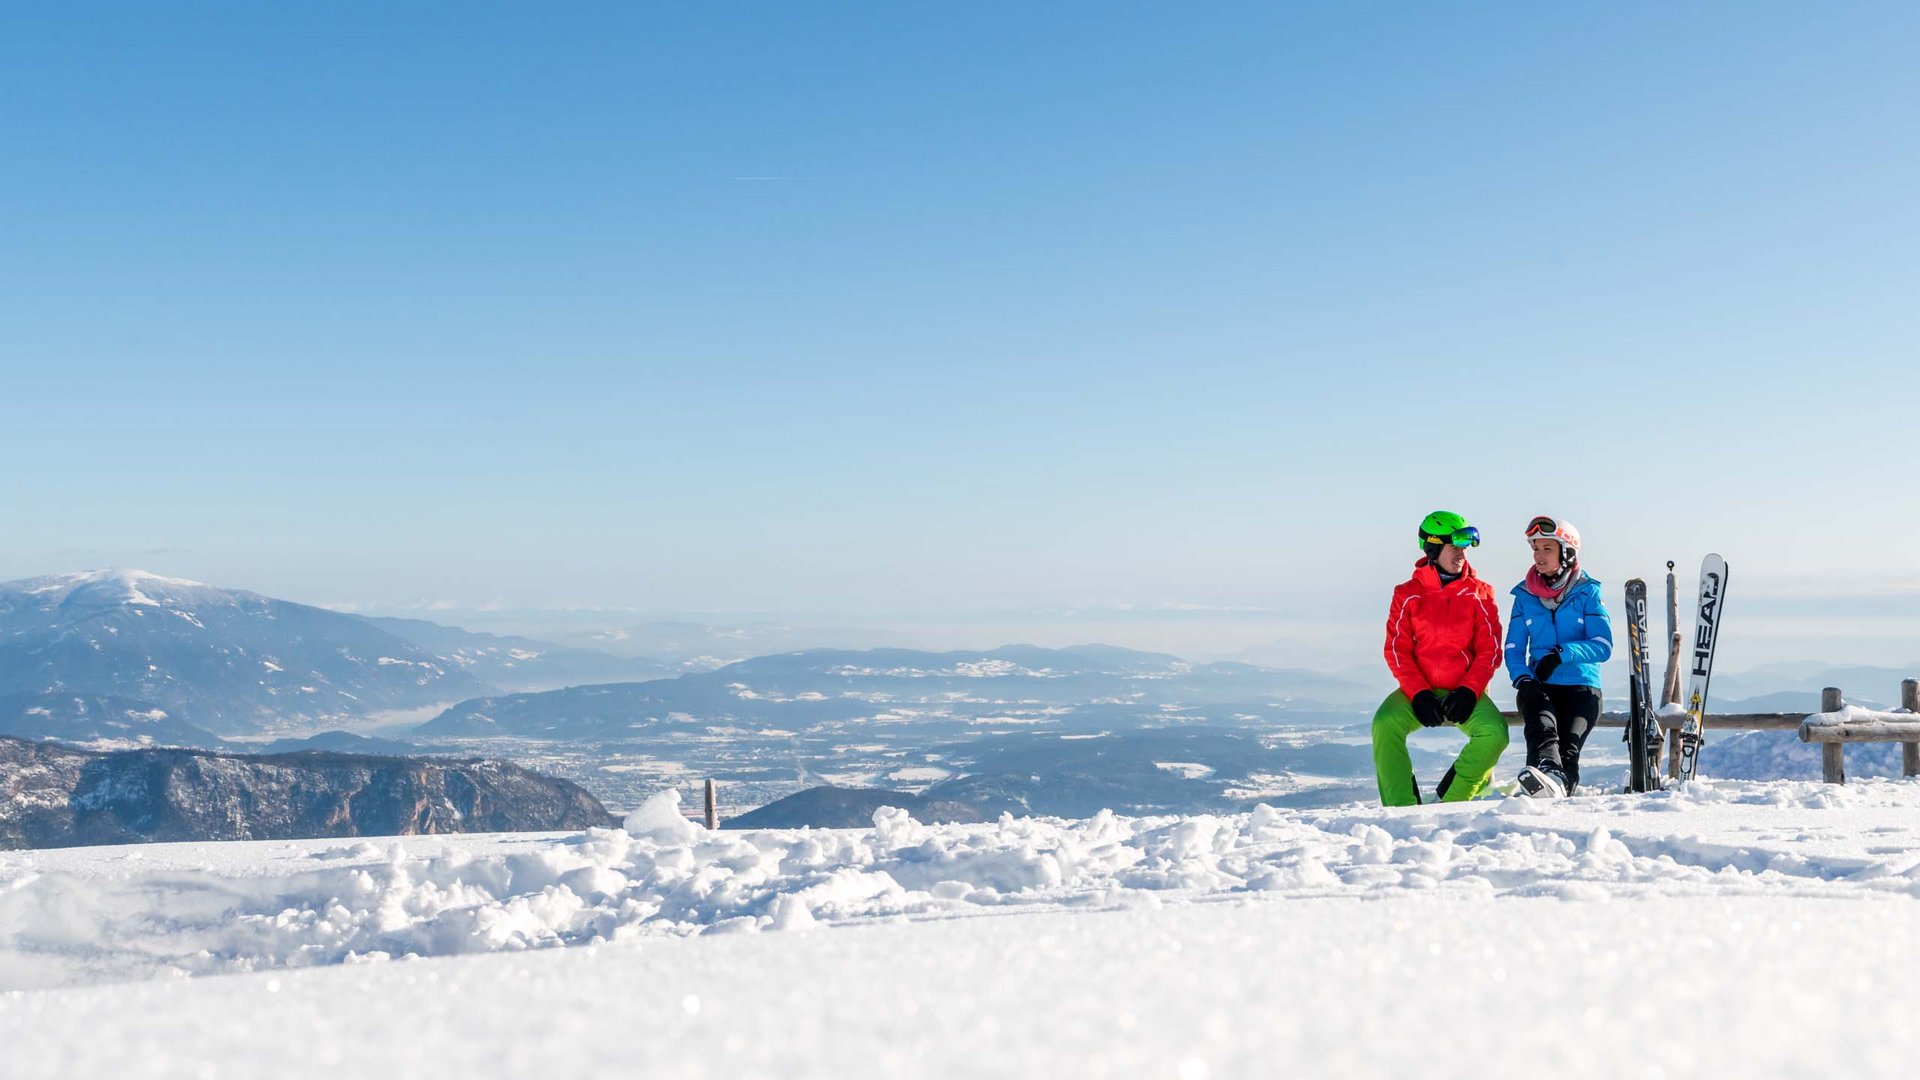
[{"x": 116, "y": 659}]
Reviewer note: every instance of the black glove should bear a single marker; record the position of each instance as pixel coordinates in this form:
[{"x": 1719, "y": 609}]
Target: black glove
[
  {"x": 1426, "y": 709},
  {"x": 1529, "y": 696},
  {"x": 1546, "y": 665},
  {"x": 1459, "y": 704}
]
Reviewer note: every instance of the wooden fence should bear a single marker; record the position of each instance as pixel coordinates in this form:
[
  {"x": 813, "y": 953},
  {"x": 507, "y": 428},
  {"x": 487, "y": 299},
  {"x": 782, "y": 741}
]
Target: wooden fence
[{"x": 1835, "y": 725}]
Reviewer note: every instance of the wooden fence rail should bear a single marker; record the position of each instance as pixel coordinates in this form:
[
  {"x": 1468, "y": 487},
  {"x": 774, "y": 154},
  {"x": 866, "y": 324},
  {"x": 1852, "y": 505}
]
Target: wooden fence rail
[
  {"x": 1765, "y": 721},
  {"x": 1837, "y": 724},
  {"x": 1834, "y": 726}
]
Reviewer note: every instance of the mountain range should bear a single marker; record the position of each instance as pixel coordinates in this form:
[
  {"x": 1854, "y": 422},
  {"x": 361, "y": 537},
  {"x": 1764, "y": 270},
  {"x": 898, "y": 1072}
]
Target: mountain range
[
  {"x": 112, "y": 659},
  {"x": 520, "y": 664},
  {"x": 174, "y": 661},
  {"x": 1021, "y": 683},
  {"x": 226, "y": 660}
]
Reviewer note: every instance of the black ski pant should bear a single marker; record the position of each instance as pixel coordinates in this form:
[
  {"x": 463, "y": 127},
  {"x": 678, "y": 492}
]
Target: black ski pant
[{"x": 1556, "y": 720}]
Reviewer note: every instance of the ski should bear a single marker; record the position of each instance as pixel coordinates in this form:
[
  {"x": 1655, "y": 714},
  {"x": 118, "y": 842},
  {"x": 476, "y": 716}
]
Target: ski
[
  {"x": 1643, "y": 727},
  {"x": 1706, "y": 633}
]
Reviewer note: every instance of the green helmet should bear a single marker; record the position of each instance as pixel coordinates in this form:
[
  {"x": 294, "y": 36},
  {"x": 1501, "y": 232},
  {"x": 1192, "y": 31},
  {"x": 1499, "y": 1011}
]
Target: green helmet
[{"x": 1447, "y": 527}]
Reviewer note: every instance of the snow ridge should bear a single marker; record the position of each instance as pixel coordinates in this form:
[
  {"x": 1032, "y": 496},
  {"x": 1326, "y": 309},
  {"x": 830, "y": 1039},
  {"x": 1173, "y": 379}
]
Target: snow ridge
[
  {"x": 662, "y": 875},
  {"x": 137, "y": 587}
]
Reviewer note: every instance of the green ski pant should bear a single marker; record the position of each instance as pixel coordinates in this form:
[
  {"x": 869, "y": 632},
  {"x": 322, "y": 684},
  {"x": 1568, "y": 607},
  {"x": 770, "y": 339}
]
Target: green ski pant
[{"x": 1472, "y": 771}]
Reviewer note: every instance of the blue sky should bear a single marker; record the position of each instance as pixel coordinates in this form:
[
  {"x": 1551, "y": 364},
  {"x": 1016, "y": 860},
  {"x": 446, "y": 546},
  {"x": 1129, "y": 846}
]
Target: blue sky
[{"x": 945, "y": 314}]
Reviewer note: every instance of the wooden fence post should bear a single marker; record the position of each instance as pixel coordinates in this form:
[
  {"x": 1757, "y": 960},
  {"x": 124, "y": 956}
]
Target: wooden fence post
[
  {"x": 713, "y": 805},
  {"x": 1670, "y": 688},
  {"x": 1910, "y": 701},
  {"x": 1832, "y": 759}
]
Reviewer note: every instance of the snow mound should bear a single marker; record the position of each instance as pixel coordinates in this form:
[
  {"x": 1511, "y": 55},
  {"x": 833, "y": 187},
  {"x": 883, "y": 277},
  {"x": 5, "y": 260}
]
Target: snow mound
[{"x": 663, "y": 875}]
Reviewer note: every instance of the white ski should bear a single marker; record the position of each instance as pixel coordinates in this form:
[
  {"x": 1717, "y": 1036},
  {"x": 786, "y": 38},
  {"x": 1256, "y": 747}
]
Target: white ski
[{"x": 1706, "y": 632}]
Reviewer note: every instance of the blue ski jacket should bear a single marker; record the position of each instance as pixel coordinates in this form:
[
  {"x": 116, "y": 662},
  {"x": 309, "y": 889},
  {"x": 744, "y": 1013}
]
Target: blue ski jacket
[{"x": 1579, "y": 627}]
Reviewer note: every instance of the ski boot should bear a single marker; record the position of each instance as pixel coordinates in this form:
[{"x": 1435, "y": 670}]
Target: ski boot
[{"x": 1537, "y": 783}]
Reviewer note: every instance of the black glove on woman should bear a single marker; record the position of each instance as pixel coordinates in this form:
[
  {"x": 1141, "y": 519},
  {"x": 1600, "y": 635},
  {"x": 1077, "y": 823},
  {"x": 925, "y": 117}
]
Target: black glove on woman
[{"x": 1546, "y": 665}]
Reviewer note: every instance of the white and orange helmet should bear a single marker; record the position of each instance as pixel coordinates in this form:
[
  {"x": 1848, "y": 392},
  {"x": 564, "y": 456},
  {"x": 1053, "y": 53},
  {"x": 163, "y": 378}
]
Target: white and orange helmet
[{"x": 1557, "y": 529}]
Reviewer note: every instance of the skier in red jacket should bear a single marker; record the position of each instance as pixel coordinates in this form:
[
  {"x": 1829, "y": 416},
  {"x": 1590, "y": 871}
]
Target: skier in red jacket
[{"x": 1443, "y": 644}]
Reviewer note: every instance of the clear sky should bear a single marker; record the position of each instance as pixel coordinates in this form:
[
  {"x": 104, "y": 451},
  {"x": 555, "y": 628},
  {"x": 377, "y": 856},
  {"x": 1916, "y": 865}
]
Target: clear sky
[{"x": 981, "y": 313}]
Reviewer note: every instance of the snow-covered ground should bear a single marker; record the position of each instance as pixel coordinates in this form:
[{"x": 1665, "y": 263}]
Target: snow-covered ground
[{"x": 1777, "y": 920}]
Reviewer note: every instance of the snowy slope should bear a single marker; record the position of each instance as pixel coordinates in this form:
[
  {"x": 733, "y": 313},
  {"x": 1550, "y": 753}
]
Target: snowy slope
[
  {"x": 1353, "y": 941},
  {"x": 1429, "y": 986}
]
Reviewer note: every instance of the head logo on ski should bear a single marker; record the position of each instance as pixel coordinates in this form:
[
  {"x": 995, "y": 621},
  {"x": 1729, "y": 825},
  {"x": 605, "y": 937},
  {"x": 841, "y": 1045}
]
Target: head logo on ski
[
  {"x": 1643, "y": 726},
  {"x": 1706, "y": 634}
]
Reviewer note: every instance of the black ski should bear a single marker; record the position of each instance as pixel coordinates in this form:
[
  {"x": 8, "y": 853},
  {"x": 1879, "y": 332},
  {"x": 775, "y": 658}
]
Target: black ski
[{"x": 1643, "y": 727}]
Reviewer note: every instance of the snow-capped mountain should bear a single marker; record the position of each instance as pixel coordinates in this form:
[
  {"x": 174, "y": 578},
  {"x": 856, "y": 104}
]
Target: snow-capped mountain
[{"x": 225, "y": 659}]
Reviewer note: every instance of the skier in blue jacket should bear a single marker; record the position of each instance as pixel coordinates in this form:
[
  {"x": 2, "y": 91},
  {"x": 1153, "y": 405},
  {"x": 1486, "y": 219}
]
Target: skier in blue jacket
[{"x": 1557, "y": 639}]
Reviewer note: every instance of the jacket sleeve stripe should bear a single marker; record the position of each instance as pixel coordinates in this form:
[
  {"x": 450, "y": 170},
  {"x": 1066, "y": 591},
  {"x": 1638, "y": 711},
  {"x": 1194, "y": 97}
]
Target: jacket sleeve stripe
[{"x": 1401, "y": 660}]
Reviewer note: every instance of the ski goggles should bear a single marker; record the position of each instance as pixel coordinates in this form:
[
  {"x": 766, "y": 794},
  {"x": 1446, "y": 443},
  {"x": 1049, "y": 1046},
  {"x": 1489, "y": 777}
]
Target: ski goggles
[
  {"x": 1542, "y": 526},
  {"x": 1460, "y": 538}
]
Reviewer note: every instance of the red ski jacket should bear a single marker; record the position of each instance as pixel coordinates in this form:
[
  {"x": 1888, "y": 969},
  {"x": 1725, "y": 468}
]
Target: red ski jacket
[{"x": 1443, "y": 636}]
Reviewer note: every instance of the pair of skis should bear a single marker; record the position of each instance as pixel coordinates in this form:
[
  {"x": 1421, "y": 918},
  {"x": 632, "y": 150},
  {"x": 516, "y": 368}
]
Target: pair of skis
[
  {"x": 1644, "y": 739},
  {"x": 1643, "y": 726}
]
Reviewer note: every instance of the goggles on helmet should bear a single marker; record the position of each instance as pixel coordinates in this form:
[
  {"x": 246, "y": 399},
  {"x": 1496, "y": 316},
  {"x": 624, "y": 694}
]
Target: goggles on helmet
[
  {"x": 1542, "y": 526},
  {"x": 1461, "y": 538}
]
